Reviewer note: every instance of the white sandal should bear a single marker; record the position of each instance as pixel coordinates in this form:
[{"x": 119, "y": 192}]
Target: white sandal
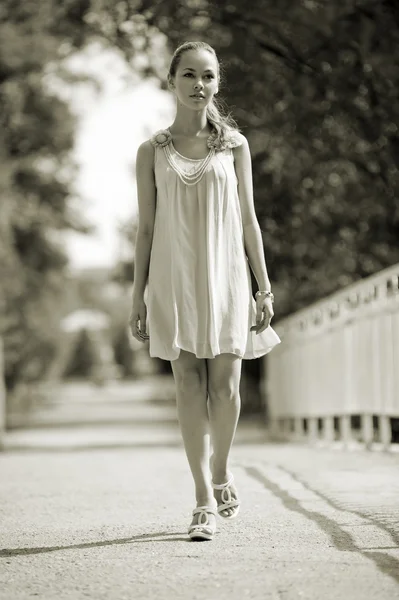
[
  {"x": 227, "y": 500},
  {"x": 202, "y": 530}
]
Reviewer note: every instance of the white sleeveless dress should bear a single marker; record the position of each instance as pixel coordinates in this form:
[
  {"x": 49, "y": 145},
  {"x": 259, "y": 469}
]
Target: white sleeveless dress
[{"x": 199, "y": 296}]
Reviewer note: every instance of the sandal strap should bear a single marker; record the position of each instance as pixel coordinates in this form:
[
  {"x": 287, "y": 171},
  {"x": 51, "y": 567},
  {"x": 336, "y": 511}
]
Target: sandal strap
[
  {"x": 203, "y": 520},
  {"x": 204, "y": 510},
  {"x": 226, "y": 505},
  {"x": 200, "y": 529},
  {"x": 203, "y": 527},
  {"x": 227, "y": 499},
  {"x": 221, "y": 486}
]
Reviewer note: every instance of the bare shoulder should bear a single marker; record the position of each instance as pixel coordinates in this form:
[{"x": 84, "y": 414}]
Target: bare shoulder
[
  {"x": 241, "y": 141},
  {"x": 241, "y": 149},
  {"x": 240, "y": 138},
  {"x": 145, "y": 151}
]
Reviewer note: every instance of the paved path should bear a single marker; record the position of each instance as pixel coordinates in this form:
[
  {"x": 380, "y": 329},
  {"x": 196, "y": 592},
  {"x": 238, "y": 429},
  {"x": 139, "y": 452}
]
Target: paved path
[{"x": 98, "y": 507}]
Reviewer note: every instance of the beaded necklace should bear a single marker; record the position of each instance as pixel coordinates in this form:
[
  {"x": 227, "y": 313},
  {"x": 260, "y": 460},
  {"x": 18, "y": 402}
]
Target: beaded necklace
[
  {"x": 164, "y": 140},
  {"x": 196, "y": 174}
]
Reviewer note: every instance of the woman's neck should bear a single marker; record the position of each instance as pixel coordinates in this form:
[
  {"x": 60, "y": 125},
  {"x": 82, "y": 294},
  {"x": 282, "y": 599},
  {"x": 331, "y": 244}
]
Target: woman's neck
[{"x": 190, "y": 123}]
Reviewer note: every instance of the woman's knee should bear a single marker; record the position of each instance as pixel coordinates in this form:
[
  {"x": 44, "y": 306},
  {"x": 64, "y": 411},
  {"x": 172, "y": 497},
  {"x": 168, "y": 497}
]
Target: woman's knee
[
  {"x": 223, "y": 390},
  {"x": 224, "y": 378},
  {"x": 191, "y": 381},
  {"x": 190, "y": 376}
]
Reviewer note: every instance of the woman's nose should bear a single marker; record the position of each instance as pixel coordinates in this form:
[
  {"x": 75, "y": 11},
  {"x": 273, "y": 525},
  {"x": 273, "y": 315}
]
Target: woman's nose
[{"x": 198, "y": 85}]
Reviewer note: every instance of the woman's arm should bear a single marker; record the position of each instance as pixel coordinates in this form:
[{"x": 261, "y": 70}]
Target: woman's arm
[
  {"x": 252, "y": 233},
  {"x": 146, "y": 195}
]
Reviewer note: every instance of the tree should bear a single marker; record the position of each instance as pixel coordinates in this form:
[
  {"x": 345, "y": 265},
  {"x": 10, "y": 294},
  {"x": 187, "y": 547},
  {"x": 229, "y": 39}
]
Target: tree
[
  {"x": 313, "y": 86},
  {"x": 84, "y": 358},
  {"x": 36, "y": 168}
]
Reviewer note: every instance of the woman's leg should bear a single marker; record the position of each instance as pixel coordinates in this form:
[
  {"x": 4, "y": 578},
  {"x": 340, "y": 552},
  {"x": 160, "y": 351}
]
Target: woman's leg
[
  {"x": 190, "y": 375},
  {"x": 224, "y": 372}
]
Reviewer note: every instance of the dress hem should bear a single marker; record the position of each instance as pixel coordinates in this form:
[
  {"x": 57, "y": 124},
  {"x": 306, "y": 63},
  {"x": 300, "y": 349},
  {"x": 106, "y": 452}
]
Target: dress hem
[{"x": 244, "y": 356}]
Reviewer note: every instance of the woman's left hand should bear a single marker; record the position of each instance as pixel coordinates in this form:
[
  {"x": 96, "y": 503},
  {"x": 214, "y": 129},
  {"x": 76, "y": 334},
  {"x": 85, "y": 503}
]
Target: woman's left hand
[{"x": 264, "y": 314}]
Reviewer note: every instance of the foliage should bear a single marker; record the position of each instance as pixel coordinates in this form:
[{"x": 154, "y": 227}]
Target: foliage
[
  {"x": 84, "y": 357},
  {"x": 313, "y": 85},
  {"x": 124, "y": 270},
  {"x": 124, "y": 355},
  {"x": 37, "y": 137}
]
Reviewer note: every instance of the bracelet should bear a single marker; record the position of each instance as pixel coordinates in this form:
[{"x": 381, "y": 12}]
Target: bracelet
[{"x": 265, "y": 293}]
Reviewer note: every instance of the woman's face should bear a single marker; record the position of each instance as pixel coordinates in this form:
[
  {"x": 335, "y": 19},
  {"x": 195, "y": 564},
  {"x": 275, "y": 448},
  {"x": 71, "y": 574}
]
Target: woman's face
[{"x": 197, "y": 79}]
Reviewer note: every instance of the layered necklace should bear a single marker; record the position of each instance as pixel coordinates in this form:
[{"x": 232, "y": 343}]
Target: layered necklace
[
  {"x": 196, "y": 174},
  {"x": 164, "y": 139}
]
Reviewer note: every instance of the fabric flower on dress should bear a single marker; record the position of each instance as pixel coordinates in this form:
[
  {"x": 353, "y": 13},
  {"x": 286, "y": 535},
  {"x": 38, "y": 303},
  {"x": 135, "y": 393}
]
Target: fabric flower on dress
[
  {"x": 231, "y": 140},
  {"x": 161, "y": 138}
]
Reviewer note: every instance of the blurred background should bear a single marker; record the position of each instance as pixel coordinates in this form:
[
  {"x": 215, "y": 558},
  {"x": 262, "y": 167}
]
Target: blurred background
[{"x": 312, "y": 84}]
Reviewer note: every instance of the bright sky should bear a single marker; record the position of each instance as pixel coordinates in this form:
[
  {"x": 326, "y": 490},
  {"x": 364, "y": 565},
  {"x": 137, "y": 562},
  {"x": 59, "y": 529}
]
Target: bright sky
[{"x": 112, "y": 124}]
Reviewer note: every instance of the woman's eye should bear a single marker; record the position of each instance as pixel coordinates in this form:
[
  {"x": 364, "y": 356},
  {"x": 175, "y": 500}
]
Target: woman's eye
[
  {"x": 210, "y": 76},
  {"x": 188, "y": 75}
]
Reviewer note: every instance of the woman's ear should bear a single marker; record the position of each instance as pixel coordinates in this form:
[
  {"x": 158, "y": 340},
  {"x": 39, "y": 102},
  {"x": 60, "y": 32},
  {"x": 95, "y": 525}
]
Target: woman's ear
[{"x": 171, "y": 83}]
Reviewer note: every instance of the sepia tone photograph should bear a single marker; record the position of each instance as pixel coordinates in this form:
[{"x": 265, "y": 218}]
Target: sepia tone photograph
[{"x": 199, "y": 299}]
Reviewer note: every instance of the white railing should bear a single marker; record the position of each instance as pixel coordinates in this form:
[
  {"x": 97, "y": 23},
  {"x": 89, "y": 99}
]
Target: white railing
[{"x": 339, "y": 359}]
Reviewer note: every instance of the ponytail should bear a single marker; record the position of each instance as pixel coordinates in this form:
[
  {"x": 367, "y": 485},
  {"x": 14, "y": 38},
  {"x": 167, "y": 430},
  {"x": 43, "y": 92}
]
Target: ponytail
[{"x": 221, "y": 122}]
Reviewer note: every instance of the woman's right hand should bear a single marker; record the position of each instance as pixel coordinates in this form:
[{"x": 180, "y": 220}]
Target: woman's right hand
[{"x": 137, "y": 320}]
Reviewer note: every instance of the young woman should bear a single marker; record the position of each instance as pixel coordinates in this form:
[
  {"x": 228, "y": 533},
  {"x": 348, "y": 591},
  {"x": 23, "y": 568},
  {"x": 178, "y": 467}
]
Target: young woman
[{"x": 197, "y": 233}]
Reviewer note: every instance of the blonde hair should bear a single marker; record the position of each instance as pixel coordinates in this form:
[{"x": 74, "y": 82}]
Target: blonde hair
[{"x": 221, "y": 121}]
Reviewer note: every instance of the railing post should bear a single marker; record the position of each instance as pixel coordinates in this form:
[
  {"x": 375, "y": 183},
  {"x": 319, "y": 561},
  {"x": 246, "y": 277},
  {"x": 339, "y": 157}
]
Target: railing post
[
  {"x": 385, "y": 433},
  {"x": 284, "y": 428},
  {"x": 328, "y": 429},
  {"x": 345, "y": 430},
  {"x": 367, "y": 430},
  {"x": 274, "y": 429},
  {"x": 299, "y": 429},
  {"x": 313, "y": 431}
]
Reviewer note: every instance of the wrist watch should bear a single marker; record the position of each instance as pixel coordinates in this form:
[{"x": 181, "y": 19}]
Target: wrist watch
[{"x": 265, "y": 293}]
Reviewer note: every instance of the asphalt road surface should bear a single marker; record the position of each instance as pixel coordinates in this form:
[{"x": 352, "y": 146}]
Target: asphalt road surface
[{"x": 96, "y": 498}]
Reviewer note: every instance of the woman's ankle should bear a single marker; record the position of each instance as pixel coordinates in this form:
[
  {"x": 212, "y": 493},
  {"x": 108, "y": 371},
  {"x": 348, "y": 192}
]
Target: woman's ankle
[
  {"x": 220, "y": 474},
  {"x": 219, "y": 468},
  {"x": 205, "y": 497}
]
